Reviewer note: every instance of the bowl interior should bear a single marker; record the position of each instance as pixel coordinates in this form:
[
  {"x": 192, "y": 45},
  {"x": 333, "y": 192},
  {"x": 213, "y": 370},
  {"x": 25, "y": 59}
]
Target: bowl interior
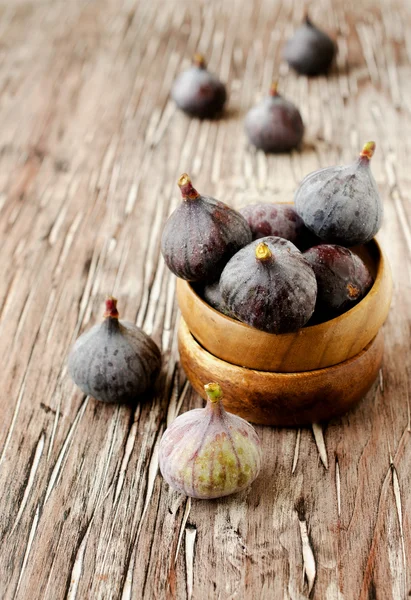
[{"x": 371, "y": 256}]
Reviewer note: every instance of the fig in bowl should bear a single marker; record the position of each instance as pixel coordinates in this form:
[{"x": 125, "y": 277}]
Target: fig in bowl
[{"x": 311, "y": 347}]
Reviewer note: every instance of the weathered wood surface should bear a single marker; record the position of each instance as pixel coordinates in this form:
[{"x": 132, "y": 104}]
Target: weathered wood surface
[{"x": 91, "y": 148}]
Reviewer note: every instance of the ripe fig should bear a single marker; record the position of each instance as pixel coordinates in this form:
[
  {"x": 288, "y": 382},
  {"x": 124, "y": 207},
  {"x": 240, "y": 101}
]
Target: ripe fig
[
  {"x": 114, "y": 361},
  {"x": 209, "y": 453},
  {"x": 341, "y": 205},
  {"x": 275, "y": 124},
  {"x": 201, "y": 235},
  {"x": 310, "y": 51},
  {"x": 197, "y": 92},
  {"x": 342, "y": 279},
  {"x": 270, "y": 286},
  {"x": 212, "y": 295},
  {"x": 281, "y": 220}
]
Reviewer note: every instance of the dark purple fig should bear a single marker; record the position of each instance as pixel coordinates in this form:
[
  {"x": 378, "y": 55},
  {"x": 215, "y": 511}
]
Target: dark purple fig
[
  {"x": 308, "y": 240},
  {"x": 198, "y": 92},
  {"x": 342, "y": 279},
  {"x": 114, "y": 361},
  {"x": 270, "y": 286},
  {"x": 310, "y": 51},
  {"x": 212, "y": 295},
  {"x": 275, "y": 124},
  {"x": 201, "y": 235},
  {"x": 281, "y": 220},
  {"x": 341, "y": 205}
]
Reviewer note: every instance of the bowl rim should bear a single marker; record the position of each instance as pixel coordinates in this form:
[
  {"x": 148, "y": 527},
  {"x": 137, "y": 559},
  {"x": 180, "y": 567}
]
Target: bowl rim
[
  {"x": 184, "y": 330},
  {"x": 318, "y": 328}
]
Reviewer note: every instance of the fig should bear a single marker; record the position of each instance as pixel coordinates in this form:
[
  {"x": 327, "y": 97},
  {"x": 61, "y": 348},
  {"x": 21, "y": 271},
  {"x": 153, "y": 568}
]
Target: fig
[
  {"x": 275, "y": 124},
  {"x": 270, "y": 286},
  {"x": 212, "y": 295},
  {"x": 310, "y": 51},
  {"x": 115, "y": 361},
  {"x": 281, "y": 220},
  {"x": 209, "y": 453},
  {"x": 341, "y": 205},
  {"x": 342, "y": 278},
  {"x": 198, "y": 92},
  {"x": 201, "y": 235}
]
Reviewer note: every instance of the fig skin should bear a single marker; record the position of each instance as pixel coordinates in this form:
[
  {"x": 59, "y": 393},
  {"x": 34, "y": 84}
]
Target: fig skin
[
  {"x": 198, "y": 92},
  {"x": 310, "y": 51},
  {"x": 270, "y": 286},
  {"x": 342, "y": 279},
  {"x": 275, "y": 124},
  {"x": 212, "y": 295},
  {"x": 201, "y": 235},
  {"x": 209, "y": 453},
  {"x": 281, "y": 220},
  {"x": 114, "y": 361},
  {"x": 342, "y": 205}
]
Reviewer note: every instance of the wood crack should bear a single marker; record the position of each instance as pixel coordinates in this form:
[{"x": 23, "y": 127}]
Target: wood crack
[
  {"x": 309, "y": 566},
  {"x": 319, "y": 440},
  {"x": 33, "y": 470},
  {"x": 64, "y": 449}
]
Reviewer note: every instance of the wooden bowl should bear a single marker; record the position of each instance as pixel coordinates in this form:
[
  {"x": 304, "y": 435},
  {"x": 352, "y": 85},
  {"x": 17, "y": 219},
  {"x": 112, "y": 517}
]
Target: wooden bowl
[
  {"x": 310, "y": 348},
  {"x": 283, "y": 399}
]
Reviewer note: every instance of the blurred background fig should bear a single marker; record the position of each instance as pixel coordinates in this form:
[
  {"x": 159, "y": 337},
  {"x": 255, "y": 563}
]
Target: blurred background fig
[
  {"x": 201, "y": 235},
  {"x": 342, "y": 205},
  {"x": 198, "y": 92},
  {"x": 342, "y": 279},
  {"x": 310, "y": 51},
  {"x": 115, "y": 361},
  {"x": 270, "y": 286},
  {"x": 275, "y": 124},
  {"x": 209, "y": 453}
]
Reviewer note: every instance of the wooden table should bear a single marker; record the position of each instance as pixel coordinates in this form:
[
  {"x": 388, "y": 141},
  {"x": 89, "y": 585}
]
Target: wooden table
[{"x": 91, "y": 148}]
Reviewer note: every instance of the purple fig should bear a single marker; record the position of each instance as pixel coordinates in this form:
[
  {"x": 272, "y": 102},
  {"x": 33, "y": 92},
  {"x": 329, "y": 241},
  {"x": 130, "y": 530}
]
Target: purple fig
[
  {"x": 114, "y": 361},
  {"x": 198, "y": 92},
  {"x": 310, "y": 51},
  {"x": 212, "y": 295},
  {"x": 201, "y": 235},
  {"x": 209, "y": 453},
  {"x": 275, "y": 124},
  {"x": 342, "y": 279},
  {"x": 270, "y": 286},
  {"x": 341, "y": 205},
  {"x": 281, "y": 220}
]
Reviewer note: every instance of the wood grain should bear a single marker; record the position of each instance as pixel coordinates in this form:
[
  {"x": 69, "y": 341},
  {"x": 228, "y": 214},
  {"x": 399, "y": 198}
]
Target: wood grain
[{"x": 90, "y": 151}]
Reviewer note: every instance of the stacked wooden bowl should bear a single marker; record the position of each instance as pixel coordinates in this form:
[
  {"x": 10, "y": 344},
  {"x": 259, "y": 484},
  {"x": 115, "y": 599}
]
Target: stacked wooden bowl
[{"x": 296, "y": 378}]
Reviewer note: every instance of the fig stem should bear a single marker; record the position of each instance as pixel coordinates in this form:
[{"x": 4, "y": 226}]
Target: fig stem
[
  {"x": 199, "y": 61},
  {"x": 186, "y": 188},
  {"x": 111, "y": 308},
  {"x": 213, "y": 391},
  {"x": 274, "y": 89},
  {"x": 368, "y": 150},
  {"x": 263, "y": 252}
]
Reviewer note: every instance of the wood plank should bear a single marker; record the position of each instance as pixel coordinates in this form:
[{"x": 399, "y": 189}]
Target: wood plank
[{"x": 90, "y": 150}]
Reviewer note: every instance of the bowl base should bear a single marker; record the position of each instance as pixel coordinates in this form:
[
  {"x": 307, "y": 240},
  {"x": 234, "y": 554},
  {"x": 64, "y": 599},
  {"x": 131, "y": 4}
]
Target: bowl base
[{"x": 283, "y": 399}]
